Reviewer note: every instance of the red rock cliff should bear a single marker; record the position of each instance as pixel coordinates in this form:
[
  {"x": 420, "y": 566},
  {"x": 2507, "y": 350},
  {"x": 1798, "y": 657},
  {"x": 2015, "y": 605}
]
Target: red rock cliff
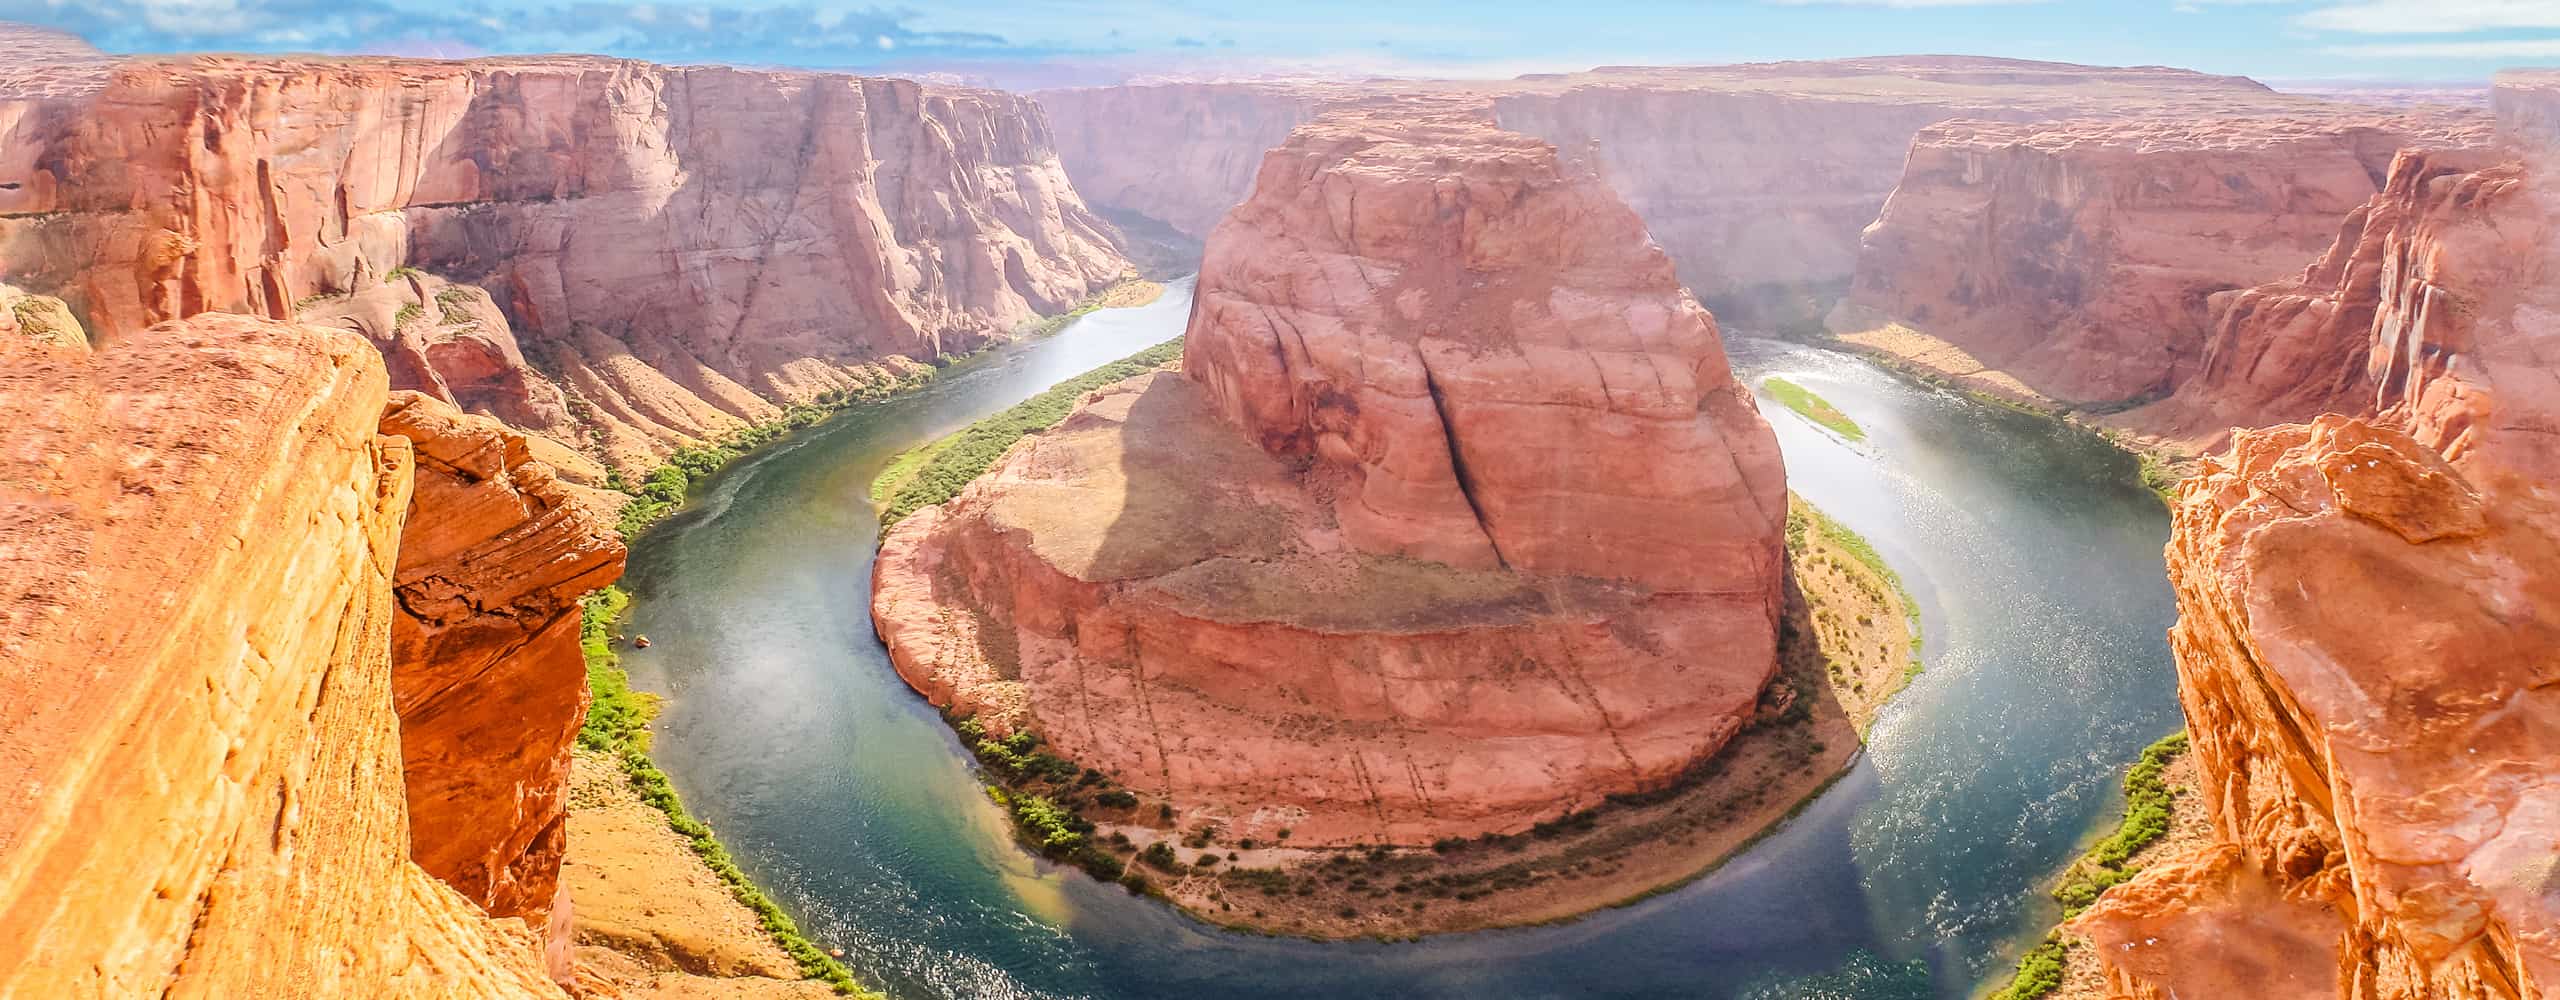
[
  {"x": 487, "y": 676},
  {"x": 1757, "y": 178},
  {"x": 2079, "y": 257},
  {"x": 680, "y": 248},
  {"x": 2370, "y": 620},
  {"x": 1461, "y": 412},
  {"x": 200, "y": 766}
]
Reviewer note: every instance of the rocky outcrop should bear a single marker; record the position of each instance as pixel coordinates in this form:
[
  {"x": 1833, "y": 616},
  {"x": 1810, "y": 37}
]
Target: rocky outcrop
[
  {"x": 2365, "y": 654},
  {"x": 2080, "y": 258},
  {"x": 200, "y": 762},
  {"x": 678, "y": 249},
  {"x": 39, "y": 319},
  {"x": 1757, "y": 178},
  {"x": 487, "y": 675},
  {"x": 2370, "y": 615},
  {"x": 2430, "y": 309},
  {"x": 1495, "y": 533}
]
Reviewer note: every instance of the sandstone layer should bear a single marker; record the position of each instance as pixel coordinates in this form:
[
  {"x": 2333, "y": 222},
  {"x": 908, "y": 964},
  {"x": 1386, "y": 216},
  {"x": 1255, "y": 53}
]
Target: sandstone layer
[
  {"x": 2370, "y": 615},
  {"x": 677, "y": 249},
  {"x": 2366, "y": 649},
  {"x": 487, "y": 675},
  {"x": 1757, "y": 178},
  {"x": 201, "y": 785},
  {"x": 2080, "y": 257},
  {"x": 1495, "y": 532}
]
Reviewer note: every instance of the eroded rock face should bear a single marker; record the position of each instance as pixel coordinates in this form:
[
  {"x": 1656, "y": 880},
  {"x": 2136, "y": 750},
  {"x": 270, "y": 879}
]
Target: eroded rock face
[
  {"x": 1451, "y": 392},
  {"x": 2527, "y": 102},
  {"x": 1756, "y": 178},
  {"x": 200, "y": 771},
  {"x": 2366, "y": 648},
  {"x": 682, "y": 248},
  {"x": 487, "y": 675},
  {"x": 2433, "y": 310},
  {"x": 1484, "y": 343},
  {"x": 2079, "y": 257}
]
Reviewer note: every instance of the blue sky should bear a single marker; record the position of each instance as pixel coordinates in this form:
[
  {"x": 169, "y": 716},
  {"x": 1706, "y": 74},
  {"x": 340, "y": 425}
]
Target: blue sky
[{"x": 2284, "y": 39}]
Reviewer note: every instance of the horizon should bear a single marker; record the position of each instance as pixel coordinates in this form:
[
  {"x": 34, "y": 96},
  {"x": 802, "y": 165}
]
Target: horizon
[{"x": 2377, "y": 43}]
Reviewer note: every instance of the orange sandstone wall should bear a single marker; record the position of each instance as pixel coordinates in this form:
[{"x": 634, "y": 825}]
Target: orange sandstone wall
[{"x": 200, "y": 772}]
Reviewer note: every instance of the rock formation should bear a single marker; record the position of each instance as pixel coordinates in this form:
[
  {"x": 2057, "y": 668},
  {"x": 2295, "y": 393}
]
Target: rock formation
[
  {"x": 200, "y": 766},
  {"x": 1757, "y": 178},
  {"x": 1495, "y": 534},
  {"x": 2527, "y": 102},
  {"x": 2366, "y": 651},
  {"x": 678, "y": 248},
  {"x": 2370, "y": 615},
  {"x": 487, "y": 675},
  {"x": 2077, "y": 258}
]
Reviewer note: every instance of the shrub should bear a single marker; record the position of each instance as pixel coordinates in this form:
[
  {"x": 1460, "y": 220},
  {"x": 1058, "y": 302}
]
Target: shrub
[{"x": 962, "y": 458}]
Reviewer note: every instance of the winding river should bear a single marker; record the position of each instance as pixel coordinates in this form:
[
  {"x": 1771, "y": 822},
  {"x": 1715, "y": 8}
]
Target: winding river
[{"x": 2035, "y": 557}]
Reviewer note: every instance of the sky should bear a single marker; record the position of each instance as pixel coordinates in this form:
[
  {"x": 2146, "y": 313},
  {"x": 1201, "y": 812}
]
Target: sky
[{"x": 1034, "y": 42}]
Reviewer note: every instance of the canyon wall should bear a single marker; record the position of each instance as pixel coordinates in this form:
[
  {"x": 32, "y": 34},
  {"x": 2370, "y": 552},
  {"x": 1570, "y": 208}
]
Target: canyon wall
[
  {"x": 2078, "y": 260},
  {"x": 1757, "y": 178},
  {"x": 1496, "y": 534},
  {"x": 2370, "y": 615},
  {"x": 677, "y": 249},
  {"x": 200, "y": 765},
  {"x": 487, "y": 676}
]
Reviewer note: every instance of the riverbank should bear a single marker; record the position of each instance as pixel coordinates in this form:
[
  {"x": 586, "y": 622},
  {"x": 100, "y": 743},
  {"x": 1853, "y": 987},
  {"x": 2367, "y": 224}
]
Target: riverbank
[
  {"x": 2159, "y": 465},
  {"x": 651, "y": 878},
  {"x": 1846, "y": 647},
  {"x": 663, "y": 490},
  {"x": 2163, "y": 816}
]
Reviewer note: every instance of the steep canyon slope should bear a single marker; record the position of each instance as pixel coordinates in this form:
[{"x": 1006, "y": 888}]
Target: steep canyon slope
[
  {"x": 2370, "y": 615},
  {"x": 198, "y": 616},
  {"x": 1496, "y": 533},
  {"x": 2076, "y": 261},
  {"x": 675, "y": 250},
  {"x": 1756, "y": 178}
]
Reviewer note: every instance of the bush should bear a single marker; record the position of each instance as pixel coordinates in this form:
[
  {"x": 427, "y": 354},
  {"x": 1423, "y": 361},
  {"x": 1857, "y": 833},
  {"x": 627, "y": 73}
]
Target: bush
[
  {"x": 2039, "y": 972},
  {"x": 1159, "y": 855},
  {"x": 2149, "y": 805}
]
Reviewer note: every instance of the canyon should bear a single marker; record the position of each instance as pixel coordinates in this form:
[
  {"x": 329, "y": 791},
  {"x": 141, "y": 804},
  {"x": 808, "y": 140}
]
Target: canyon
[
  {"x": 2370, "y": 604},
  {"x": 1399, "y": 345},
  {"x": 1756, "y": 178},
  {"x": 619, "y": 256}
]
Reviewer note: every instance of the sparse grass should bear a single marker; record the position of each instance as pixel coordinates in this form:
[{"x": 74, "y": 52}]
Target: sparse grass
[
  {"x": 2039, "y": 971},
  {"x": 1803, "y": 516},
  {"x": 401, "y": 273},
  {"x": 1131, "y": 290},
  {"x": 912, "y": 484},
  {"x": 2160, "y": 476},
  {"x": 619, "y": 718},
  {"x": 451, "y": 303},
  {"x": 408, "y": 314},
  {"x": 1813, "y": 408}
]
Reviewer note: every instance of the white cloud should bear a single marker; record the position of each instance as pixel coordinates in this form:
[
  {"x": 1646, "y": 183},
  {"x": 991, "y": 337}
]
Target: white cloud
[
  {"x": 885, "y": 42},
  {"x": 1904, "y": 3},
  {"x": 2433, "y": 17}
]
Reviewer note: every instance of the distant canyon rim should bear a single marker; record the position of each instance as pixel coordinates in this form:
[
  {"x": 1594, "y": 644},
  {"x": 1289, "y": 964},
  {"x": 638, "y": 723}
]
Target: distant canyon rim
[{"x": 328, "y": 379}]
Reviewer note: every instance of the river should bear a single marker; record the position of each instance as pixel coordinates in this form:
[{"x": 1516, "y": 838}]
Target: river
[{"x": 2035, "y": 558}]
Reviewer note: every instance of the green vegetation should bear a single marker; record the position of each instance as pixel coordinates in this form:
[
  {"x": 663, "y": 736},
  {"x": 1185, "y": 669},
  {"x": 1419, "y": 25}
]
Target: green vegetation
[
  {"x": 2149, "y": 805},
  {"x": 401, "y": 273},
  {"x": 1804, "y": 517},
  {"x": 2039, "y": 971},
  {"x": 1129, "y": 291},
  {"x": 663, "y": 490},
  {"x": 2160, "y": 476},
  {"x": 937, "y": 471},
  {"x": 451, "y": 303},
  {"x": 408, "y": 314},
  {"x": 1046, "y": 794},
  {"x": 2148, "y": 801},
  {"x": 1813, "y": 408},
  {"x": 620, "y": 716},
  {"x": 615, "y": 725}
]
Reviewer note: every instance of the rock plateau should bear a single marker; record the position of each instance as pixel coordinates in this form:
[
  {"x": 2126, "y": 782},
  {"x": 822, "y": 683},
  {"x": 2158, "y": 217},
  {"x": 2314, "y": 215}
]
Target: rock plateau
[{"x": 1496, "y": 533}]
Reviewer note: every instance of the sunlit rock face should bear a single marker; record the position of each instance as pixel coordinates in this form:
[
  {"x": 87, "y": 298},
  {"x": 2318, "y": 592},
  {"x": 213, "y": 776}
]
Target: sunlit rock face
[
  {"x": 487, "y": 676},
  {"x": 1495, "y": 533},
  {"x": 2370, "y": 617},
  {"x": 677, "y": 250},
  {"x": 1756, "y": 178},
  {"x": 2081, "y": 257},
  {"x": 201, "y": 788}
]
